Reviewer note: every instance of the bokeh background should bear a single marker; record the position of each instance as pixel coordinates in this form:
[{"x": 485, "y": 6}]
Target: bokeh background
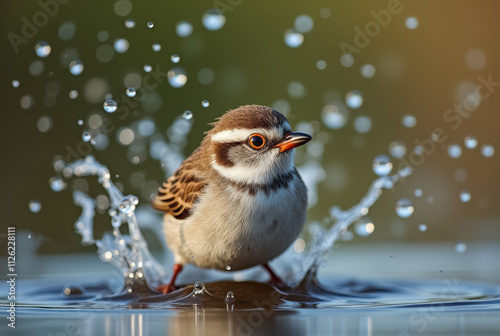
[{"x": 395, "y": 87}]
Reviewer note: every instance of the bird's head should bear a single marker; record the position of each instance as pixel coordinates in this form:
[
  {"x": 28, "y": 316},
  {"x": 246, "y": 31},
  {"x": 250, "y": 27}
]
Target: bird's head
[{"x": 252, "y": 144}]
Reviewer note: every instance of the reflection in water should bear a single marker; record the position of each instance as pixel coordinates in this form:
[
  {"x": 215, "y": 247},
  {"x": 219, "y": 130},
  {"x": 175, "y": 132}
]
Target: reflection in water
[
  {"x": 331, "y": 307},
  {"x": 200, "y": 322}
]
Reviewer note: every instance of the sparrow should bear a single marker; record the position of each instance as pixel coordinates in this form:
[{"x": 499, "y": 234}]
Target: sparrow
[{"x": 237, "y": 201}]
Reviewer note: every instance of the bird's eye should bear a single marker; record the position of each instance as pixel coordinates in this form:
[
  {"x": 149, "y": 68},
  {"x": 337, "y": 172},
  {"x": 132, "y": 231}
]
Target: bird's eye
[{"x": 256, "y": 141}]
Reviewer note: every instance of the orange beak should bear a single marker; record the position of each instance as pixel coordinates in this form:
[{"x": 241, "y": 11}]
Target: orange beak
[{"x": 292, "y": 140}]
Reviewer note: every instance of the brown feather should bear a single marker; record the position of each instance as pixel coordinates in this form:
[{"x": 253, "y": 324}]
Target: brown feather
[{"x": 180, "y": 191}]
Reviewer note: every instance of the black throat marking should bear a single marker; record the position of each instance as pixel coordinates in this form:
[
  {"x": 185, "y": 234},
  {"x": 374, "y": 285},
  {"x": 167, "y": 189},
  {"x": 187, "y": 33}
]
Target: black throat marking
[{"x": 280, "y": 181}]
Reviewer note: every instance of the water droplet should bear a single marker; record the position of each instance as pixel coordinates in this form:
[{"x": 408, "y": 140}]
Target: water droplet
[
  {"x": 35, "y": 206},
  {"x": 73, "y": 290},
  {"x": 183, "y": 28},
  {"x": 304, "y": 23},
  {"x": 454, "y": 151},
  {"x": 129, "y": 23},
  {"x": 397, "y": 149},
  {"x": 419, "y": 150},
  {"x": 42, "y": 49},
  {"x": 73, "y": 94},
  {"x": 187, "y": 115},
  {"x": 465, "y": 196},
  {"x": 205, "y": 103},
  {"x": 293, "y": 38},
  {"x": 26, "y": 101},
  {"x": 127, "y": 205},
  {"x": 418, "y": 192},
  {"x": 409, "y": 120},
  {"x": 110, "y": 106},
  {"x": 80, "y": 122},
  {"x": 364, "y": 227},
  {"x": 411, "y": 22},
  {"x": 470, "y": 142},
  {"x": 147, "y": 68},
  {"x": 156, "y": 47},
  {"x": 134, "y": 199},
  {"x": 192, "y": 257},
  {"x": 321, "y": 65},
  {"x": 116, "y": 221},
  {"x": 29, "y": 235},
  {"x": 325, "y": 13},
  {"x": 367, "y": 71},
  {"x": 404, "y": 208},
  {"x": 177, "y": 77},
  {"x": 44, "y": 124},
  {"x": 131, "y": 92},
  {"x": 213, "y": 19},
  {"x": 346, "y": 60},
  {"x": 228, "y": 268},
  {"x": 150, "y": 25},
  {"x": 487, "y": 150},
  {"x": 146, "y": 127},
  {"x": 335, "y": 115},
  {"x": 76, "y": 67},
  {"x": 229, "y": 298},
  {"x": 382, "y": 165},
  {"x": 57, "y": 183},
  {"x": 354, "y": 99},
  {"x": 86, "y": 136},
  {"x": 422, "y": 227},
  {"x": 362, "y": 124},
  {"x": 175, "y": 58},
  {"x": 121, "y": 45},
  {"x": 15, "y": 83},
  {"x": 199, "y": 287},
  {"x": 460, "y": 247}
]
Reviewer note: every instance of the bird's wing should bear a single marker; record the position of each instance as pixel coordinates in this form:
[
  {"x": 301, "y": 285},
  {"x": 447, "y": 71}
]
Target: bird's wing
[{"x": 178, "y": 193}]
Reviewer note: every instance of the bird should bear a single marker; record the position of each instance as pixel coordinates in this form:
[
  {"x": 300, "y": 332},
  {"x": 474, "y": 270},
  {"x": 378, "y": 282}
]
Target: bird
[{"x": 237, "y": 201}]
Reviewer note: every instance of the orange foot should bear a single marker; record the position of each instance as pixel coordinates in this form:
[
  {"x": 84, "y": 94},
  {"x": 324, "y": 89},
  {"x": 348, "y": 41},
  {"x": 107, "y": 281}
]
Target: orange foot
[
  {"x": 275, "y": 280},
  {"x": 169, "y": 288},
  {"x": 165, "y": 289}
]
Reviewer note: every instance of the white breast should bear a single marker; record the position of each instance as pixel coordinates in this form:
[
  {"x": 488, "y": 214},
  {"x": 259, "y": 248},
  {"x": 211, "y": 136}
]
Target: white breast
[{"x": 230, "y": 227}]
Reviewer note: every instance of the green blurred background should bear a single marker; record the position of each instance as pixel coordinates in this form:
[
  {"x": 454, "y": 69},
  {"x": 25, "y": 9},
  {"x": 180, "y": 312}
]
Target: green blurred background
[{"x": 421, "y": 71}]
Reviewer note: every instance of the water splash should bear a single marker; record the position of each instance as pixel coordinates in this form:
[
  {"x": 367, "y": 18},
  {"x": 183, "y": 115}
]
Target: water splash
[
  {"x": 323, "y": 240},
  {"x": 128, "y": 253}
]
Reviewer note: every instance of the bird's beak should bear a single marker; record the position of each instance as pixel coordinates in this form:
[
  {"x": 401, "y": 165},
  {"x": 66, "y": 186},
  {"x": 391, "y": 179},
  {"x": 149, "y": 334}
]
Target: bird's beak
[{"x": 292, "y": 140}]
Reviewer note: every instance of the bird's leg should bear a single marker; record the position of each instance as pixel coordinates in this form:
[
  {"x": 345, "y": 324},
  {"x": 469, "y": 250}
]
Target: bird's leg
[
  {"x": 170, "y": 287},
  {"x": 275, "y": 280}
]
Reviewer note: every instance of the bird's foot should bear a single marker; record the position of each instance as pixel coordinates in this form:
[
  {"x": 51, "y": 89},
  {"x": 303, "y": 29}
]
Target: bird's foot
[
  {"x": 275, "y": 280},
  {"x": 278, "y": 283},
  {"x": 167, "y": 288}
]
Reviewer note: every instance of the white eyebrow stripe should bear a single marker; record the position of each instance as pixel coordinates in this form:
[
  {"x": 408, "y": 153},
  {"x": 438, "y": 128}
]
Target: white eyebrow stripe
[
  {"x": 236, "y": 134},
  {"x": 241, "y": 134}
]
